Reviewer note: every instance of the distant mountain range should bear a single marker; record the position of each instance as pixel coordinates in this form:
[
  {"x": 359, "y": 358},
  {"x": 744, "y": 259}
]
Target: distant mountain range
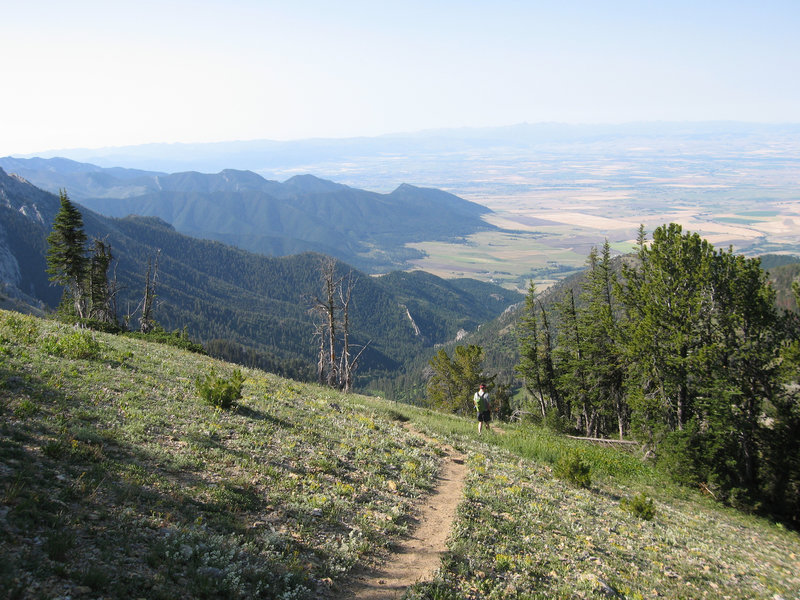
[
  {"x": 366, "y": 229},
  {"x": 422, "y": 147},
  {"x": 246, "y": 306}
]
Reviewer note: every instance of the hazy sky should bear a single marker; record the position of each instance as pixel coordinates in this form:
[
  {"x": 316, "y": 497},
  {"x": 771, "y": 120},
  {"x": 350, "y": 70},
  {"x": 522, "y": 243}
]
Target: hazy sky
[{"x": 110, "y": 73}]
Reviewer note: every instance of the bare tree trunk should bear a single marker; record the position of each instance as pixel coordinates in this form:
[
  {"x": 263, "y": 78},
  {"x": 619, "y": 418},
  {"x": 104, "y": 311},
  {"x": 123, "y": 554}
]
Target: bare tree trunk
[
  {"x": 79, "y": 299},
  {"x": 113, "y": 291},
  {"x": 319, "y": 331},
  {"x": 329, "y": 275},
  {"x": 345, "y": 294},
  {"x": 325, "y": 309},
  {"x": 147, "y": 323},
  {"x": 332, "y": 313}
]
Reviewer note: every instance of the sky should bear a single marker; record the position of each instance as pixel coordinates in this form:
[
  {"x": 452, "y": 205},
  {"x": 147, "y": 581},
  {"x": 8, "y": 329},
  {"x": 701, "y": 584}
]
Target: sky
[{"x": 91, "y": 74}]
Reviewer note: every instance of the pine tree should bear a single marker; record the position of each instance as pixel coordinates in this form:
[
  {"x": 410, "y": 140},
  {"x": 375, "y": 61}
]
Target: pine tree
[
  {"x": 604, "y": 363},
  {"x": 742, "y": 359},
  {"x": 703, "y": 339},
  {"x": 453, "y": 382},
  {"x": 102, "y": 293},
  {"x": 530, "y": 365},
  {"x": 780, "y": 477},
  {"x": 549, "y": 373},
  {"x": 667, "y": 307},
  {"x": 67, "y": 264},
  {"x": 573, "y": 364},
  {"x": 536, "y": 350}
]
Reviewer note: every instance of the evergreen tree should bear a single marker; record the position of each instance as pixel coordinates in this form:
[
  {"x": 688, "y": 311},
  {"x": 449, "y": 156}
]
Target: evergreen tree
[
  {"x": 573, "y": 365},
  {"x": 536, "y": 348},
  {"x": 604, "y": 363},
  {"x": 67, "y": 264},
  {"x": 530, "y": 365},
  {"x": 667, "y": 311},
  {"x": 741, "y": 371},
  {"x": 453, "y": 382},
  {"x": 589, "y": 357},
  {"x": 102, "y": 293},
  {"x": 703, "y": 340},
  {"x": 780, "y": 476},
  {"x": 688, "y": 345},
  {"x": 549, "y": 374}
]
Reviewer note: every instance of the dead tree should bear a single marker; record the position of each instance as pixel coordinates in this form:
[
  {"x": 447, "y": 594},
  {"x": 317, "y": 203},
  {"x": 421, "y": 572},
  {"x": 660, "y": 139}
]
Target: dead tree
[
  {"x": 332, "y": 328},
  {"x": 102, "y": 292},
  {"x": 324, "y": 310},
  {"x": 347, "y": 367},
  {"x": 319, "y": 334},
  {"x": 147, "y": 324}
]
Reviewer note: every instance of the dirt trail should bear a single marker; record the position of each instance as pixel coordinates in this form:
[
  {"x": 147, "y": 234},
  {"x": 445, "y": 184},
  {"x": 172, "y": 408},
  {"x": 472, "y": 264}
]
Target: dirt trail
[{"x": 418, "y": 556}]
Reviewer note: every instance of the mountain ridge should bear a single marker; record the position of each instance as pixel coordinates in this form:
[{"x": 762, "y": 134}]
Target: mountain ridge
[
  {"x": 229, "y": 296},
  {"x": 238, "y": 207}
]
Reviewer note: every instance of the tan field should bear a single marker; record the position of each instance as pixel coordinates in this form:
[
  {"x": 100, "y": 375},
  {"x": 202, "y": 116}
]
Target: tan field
[{"x": 547, "y": 229}]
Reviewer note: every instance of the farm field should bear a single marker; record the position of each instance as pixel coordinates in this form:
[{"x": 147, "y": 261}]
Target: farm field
[{"x": 553, "y": 209}]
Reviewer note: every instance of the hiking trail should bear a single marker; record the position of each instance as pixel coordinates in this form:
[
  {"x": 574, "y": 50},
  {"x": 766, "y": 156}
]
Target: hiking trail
[{"x": 416, "y": 557}]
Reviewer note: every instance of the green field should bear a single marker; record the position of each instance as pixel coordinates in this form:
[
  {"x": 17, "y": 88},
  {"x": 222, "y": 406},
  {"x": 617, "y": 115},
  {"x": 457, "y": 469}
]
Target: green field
[{"x": 511, "y": 259}]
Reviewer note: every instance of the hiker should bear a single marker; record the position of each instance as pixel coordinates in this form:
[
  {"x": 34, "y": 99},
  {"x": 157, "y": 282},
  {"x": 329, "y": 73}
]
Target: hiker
[{"x": 482, "y": 407}]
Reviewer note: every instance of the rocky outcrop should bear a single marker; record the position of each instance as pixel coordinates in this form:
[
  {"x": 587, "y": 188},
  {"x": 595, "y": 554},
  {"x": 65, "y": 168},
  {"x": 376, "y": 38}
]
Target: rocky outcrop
[{"x": 9, "y": 267}]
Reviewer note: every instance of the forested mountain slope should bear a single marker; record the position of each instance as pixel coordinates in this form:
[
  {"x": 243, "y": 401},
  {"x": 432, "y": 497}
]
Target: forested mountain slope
[
  {"x": 245, "y": 306},
  {"x": 366, "y": 229}
]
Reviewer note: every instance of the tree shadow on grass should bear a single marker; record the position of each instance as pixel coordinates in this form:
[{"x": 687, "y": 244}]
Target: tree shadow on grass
[{"x": 257, "y": 415}]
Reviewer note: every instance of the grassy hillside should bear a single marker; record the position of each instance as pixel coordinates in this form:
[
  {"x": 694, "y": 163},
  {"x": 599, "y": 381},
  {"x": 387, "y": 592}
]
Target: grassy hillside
[
  {"x": 118, "y": 481},
  {"x": 114, "y": 476}
]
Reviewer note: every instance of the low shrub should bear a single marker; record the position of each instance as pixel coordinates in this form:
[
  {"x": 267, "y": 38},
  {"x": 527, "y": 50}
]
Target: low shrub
[
  {"x": 639, "y": 505},
  {"x": 178, "y": 339},
  {"x": 75, "y": 344},
  {"x": 574, "y": 469},
  {"x": 220, "y": 392},
  {"x": 19, "y": 328}
]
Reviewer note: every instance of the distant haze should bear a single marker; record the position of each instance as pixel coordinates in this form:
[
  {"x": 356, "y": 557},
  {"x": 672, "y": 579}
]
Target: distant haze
[
  {"x": 96, "y": 74},
  {"x": 462, "y": 160}
]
